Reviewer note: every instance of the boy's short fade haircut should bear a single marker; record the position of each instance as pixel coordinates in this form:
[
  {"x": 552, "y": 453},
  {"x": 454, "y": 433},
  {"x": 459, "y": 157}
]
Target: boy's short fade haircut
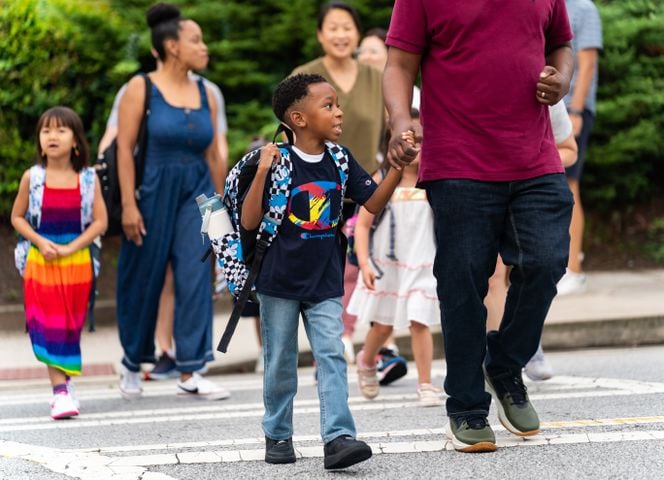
[{"x": 292, "y": 89}]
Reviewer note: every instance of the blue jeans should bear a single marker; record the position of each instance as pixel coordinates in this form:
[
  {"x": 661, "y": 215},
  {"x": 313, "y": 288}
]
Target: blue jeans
[
  {"x": 526, "y": 222},
  {"x": 322, "y": 322}
]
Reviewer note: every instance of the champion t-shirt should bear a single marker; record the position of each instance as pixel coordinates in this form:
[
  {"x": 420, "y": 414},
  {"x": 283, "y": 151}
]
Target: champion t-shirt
[
  {"x": 480, "y": 65},
  {"x": 305, "y": 261}
]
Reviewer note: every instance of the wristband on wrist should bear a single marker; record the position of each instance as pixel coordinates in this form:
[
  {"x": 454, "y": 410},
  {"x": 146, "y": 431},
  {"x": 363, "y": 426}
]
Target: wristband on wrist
[{"x": 575, "y": 111}]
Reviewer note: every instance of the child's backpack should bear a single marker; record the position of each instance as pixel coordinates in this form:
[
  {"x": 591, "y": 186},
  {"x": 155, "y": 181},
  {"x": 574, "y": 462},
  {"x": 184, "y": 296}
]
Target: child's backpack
[
  {"x": 33, "y": 216},
  {"x": 241, "y": 252}
]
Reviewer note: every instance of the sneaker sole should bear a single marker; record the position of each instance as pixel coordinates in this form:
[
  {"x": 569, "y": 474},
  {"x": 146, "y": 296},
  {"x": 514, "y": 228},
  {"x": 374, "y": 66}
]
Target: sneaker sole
[
  {"x": 460, "y": 446},
  {"x": 430, "y": 402},
  {"x": 276, "y": 460},
  {"x": 200, "y": 396},
  {"x": 130, "y": 395},
  {"x": 503, "y": 418},
  {"x": 65, "y": 415},
  {"x": 397, "y": 371},
  {"x": 346, "y": 459}
]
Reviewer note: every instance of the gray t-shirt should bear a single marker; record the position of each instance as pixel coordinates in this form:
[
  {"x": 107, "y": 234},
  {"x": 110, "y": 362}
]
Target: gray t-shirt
[
  {"x": 222, "y": 124},
  {"x": 587, "y": 29},
  {"x": 560, "y": 122}
]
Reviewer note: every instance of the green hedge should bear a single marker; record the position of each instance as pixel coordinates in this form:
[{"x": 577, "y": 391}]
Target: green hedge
[
  {"x": 79, "y": 53},
  {"x": 52, "y": 52},
  {"x": 626, "y": 154}
]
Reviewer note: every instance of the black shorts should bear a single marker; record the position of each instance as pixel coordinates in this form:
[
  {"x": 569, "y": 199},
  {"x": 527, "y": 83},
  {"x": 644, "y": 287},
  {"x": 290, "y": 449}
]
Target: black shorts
[{"x": 574, "y": 172}]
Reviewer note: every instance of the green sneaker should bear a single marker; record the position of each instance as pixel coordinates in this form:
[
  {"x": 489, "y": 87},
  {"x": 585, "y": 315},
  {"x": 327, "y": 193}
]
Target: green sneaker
[
  {"x": 515, "y": 411},
  {"x": 471, "y": 434}
]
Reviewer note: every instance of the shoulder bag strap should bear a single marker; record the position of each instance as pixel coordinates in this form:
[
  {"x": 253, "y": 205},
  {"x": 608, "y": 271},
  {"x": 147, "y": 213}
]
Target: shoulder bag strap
[{"x": 141, "y": 144}]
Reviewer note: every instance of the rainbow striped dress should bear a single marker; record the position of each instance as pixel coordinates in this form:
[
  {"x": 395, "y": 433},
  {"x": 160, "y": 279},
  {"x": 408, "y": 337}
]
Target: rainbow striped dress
[{"x": 56, "y": 292}]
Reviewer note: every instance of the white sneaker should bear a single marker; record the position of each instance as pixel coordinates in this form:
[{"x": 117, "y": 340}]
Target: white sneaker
[
  {"x": 349, "y": 349},
  {"x": 571, "y": 283},
  {"x": 200, "y": 387},
  {"x": 72, "y": 393},
  {"x": 428, "y": 395},
  {"x": 62, "y": 406},
  {"x": 538, "y": 368},
  {"x": 130, "y": 384}
]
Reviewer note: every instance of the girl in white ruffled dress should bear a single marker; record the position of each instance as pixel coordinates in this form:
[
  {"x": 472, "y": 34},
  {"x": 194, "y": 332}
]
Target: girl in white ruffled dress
[{"x": 397, "y": 287}]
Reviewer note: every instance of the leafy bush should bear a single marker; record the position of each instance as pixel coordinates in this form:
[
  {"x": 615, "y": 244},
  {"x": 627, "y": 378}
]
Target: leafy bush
[
  {"x": 79, "y": 53},
  {"x": 51, "y": 53},
  {"x": 626, "y": 153}
]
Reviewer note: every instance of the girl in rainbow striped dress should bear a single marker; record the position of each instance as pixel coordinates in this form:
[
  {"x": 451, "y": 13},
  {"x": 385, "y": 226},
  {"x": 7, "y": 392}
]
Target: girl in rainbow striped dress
[{"x": 59, "y": 211}]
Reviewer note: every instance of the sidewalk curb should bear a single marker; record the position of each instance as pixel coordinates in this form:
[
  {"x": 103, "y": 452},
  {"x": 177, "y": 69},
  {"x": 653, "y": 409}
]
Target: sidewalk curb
[{"x": 621, "y": 332}]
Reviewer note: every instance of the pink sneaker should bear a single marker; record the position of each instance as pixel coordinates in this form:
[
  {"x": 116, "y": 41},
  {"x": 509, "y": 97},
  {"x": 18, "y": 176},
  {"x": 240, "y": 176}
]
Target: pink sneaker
[
  {"x": 367, "y": 379},
  {"x": 62, "y": 406}
]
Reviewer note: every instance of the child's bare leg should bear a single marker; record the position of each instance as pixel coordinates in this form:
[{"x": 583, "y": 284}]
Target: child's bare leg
[
  {"x": 375, "y": 339},
  {"x": 57, "y": 376},
  {"x": 422, "y": 344}
]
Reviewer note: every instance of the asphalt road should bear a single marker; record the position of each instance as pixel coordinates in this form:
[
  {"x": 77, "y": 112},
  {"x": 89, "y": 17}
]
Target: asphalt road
[{"x": 602, "y": 417}]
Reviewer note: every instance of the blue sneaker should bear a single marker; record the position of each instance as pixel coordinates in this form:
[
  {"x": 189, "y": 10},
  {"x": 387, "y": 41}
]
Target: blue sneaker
[
  {"x": 390, "y": 367},
  {"x": 163, "y": 369}
]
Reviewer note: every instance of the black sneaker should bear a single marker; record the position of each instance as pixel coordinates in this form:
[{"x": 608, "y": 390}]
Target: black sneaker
[
  {"x": 390, "y": 366},
  {"x": 515, "y": 411},
  {"x": 163, "y": 369},
  {"x": 345, "y": 451},
  {"x": 279, "y": 451}
]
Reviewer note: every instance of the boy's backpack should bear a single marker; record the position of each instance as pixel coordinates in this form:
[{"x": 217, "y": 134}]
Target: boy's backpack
[
  {"x": 241, "y": 252},
  {"x": 107, "y": 168},
  {"x": 33, "y": 216}
]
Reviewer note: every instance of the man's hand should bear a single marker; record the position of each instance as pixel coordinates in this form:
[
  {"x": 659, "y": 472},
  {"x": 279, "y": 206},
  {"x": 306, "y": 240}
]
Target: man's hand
[
  {"x": 400, "y": 151},
  {"x": 132, "y": 224},
  {"x": 551, "y": 86}
]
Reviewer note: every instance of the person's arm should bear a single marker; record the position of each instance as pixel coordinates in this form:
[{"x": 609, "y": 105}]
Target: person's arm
[
  {"x": 106, "y": 139},
  {"x": 586, "y": 63},
  {"x": 362, "y": 228},
  {"x": 47, "y": 248},
  {"x": 216, "y": 164},
  {"x": 382, "y": 194},
  {"x": 398, "y": 81},
  {"x": 97, "y": 226},
  {"x": 252, "y": 207},
  {"x": 555, "y": 77},
  {"x": 130, "y": 114},
  {"x": 568, "y": 151}
]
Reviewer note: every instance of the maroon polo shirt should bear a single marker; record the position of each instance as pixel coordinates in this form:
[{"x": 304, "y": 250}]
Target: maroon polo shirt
[{"x": 480, "y": 64}]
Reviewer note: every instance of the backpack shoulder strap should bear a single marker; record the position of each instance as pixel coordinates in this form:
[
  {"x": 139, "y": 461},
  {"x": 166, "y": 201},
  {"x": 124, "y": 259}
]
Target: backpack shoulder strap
[
  {"x": 37, "y": 182},
  {"x": 340, "y": 156},
  {"x": 279, "y": 190},
  {"x": 87, "y": 185}
]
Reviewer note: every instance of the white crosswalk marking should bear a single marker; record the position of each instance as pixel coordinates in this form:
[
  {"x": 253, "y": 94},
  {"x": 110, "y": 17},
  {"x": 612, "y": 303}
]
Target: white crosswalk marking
[{"x": 134, "y": 461}]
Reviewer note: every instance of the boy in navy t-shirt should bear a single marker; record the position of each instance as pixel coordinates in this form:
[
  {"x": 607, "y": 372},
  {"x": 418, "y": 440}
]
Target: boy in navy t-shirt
[{"x": 302, "y": 272}]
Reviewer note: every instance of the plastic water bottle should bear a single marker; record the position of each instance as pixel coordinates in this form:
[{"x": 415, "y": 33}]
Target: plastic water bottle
[{"x": 216, "y": 221}]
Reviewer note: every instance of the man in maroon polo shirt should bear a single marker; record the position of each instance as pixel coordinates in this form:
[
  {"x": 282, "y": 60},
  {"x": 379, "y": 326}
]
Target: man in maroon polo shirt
[{"x": 494, "y": 181}]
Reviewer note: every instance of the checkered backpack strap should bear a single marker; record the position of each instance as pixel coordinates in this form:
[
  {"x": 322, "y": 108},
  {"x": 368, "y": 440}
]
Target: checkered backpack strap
[
  {"x": 33, "y": 215},
  {"x": 340, "y": 156}
]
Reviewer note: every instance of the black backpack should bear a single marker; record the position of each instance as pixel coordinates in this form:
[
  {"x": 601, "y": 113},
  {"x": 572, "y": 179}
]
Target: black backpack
[{"x": 107, "y": 168}]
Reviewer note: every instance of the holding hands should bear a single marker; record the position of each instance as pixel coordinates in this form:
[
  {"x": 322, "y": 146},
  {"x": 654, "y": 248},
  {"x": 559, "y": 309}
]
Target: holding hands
[
  {"x": 403, "y": 148},
  {"x": 551, "y": 86}
]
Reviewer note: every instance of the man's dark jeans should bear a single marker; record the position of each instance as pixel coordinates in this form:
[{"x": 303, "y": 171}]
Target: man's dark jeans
[{"x": 527, "y": 222}]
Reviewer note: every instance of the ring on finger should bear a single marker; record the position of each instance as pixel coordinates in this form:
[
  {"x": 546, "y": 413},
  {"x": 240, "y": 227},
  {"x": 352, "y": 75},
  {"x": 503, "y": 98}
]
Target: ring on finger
[{"x": 543, "y": 95}]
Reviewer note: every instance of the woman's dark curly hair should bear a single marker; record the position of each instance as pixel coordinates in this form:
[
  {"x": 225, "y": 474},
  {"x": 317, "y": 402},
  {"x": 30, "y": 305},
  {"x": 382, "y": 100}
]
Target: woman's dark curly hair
[{"x": 164, "y": 21}]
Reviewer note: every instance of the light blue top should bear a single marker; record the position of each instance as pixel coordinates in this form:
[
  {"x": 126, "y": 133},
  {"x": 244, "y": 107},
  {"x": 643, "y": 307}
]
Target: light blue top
[{"x": 587, "y": 29}]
